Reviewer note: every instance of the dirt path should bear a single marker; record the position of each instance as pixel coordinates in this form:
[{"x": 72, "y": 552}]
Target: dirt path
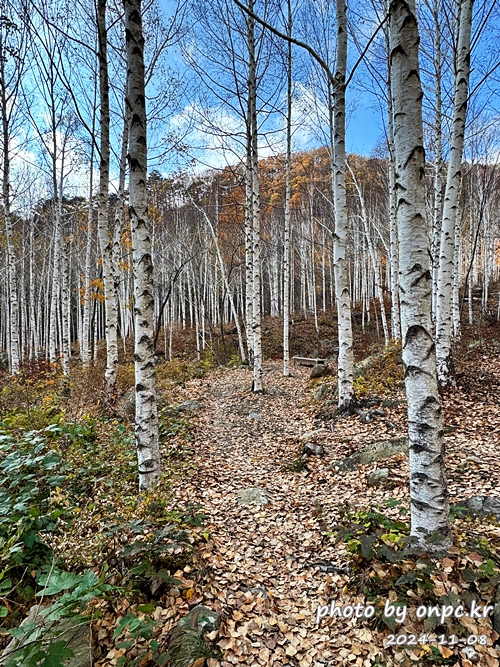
[
  {"x": 261, "y": 558},
  {"x": 242, "y": 441}
]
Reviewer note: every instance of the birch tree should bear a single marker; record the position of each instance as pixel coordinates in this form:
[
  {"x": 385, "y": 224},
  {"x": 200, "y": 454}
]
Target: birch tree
[
  {"x": 336, "y": 88},
  {"x": 146, "y": 416},
  {"x": 288, "y": 196},
  {"x": 12, "y": 66},
  {"x": 430, "y": 524},
  {"x": 342, "y": 288},
  {"x": 253, "y": 205},
  {"x": 106, "y": 243},
  {"x": 447, "y": 254}
]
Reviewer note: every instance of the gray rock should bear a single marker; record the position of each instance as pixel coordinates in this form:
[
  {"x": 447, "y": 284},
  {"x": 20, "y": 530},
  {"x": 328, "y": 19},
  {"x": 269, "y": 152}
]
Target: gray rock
[
  {"x": 189, "y": 406},
  {"x": 475, "y": 504},
  {"x": 381, "y": 449},
  {"x": 38, "y": 627},
  {"x": 366, "y": 417},
  {"x": 318, "y": 371},
  {"x": 187, "y": 643},
  {"x": 478, "y": 506},
  {"x": 311, "y": 435},
  {"x": 224, "y": 424},
  {"x": 252, "y": 495},
  {"x": 364, "y": 365},
  {"x": 321, "y": 392},
  {"x": 491, "y": 506},
  {"x": 255, "y": 415},
  {"x": 378, "y": 477},
  {"x": 391, "y": 403},
  {"x": 312, "y": 449}
]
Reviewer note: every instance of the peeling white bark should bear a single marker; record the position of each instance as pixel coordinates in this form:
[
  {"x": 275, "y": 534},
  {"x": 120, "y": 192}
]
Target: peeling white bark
[
  {"x": 146, "y": 416},
  {"x": 106, "y": 243},
  {"x": 428, "y": 489},
  {"x": 447, "y": 265},
  {"x": 342, "y": 288}
]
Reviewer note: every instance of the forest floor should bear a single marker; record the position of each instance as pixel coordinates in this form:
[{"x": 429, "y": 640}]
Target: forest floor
[
  {"x": 323, "y": 535},
  {"x": 265, "y": 561}
]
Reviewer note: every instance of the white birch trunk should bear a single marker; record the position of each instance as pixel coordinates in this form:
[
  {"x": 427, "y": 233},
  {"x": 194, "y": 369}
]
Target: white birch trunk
[
  {"x": 13, "y": 334},
  {"x": 288, "y": 196},
  {"x": 342, "y": 288},
  {"x": 444, "y": 323},
  {"x": 229, "y": 293},
  {"x": 393, "y": 225},
  {"x": 146, "y": 416},
  {"x": 255, "y": 207},
  {"x": 430, "y": 525},
  {"x": 85, "y": 335},
  {"x": 106, "y": 244}
]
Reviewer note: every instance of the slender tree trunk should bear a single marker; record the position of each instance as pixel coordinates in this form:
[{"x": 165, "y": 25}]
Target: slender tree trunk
[
  {"x": 146, "y": 416},
  {"x": 255, "y": 206},
  {"x": 85, "y": 335},
  {"x": 13, "y": 335},
  {"x": 342, "y": 288},
  {"x": 447, "y": 266},
  {"x": 428, "y": 489},
  {"x": 288, "y": 196},
  {"x": 393, "y": 224},
  {"x": 106, "y": 243},
  {"x": 438, "y": 154}
]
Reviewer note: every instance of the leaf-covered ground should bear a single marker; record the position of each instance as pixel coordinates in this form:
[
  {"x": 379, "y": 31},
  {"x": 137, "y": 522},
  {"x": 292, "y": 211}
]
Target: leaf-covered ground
[
  {"x": 265, "y": 563},
  {"x": 324, "y": 535}
]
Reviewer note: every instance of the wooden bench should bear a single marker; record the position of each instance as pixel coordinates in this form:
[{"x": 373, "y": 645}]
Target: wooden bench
[{"x": 307, "y": 361}]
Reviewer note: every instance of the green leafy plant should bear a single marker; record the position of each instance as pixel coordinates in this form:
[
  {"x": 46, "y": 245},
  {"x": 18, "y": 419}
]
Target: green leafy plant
[{"x": 151, "y": 560}]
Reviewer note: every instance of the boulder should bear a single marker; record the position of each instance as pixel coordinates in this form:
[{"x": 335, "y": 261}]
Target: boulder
[
  {"x": 39, "y": 627},
  {"x": 252, "y": 495},
  {"x": 187, "y": 644},
  {"x": 321, "y": 392},
  {"x": 312, "y": 449},
  {"x": 218, "y": 424},
  {"x": 255, "y": 415},
  {"x": 478, "y": 506},
  {"x": 318, "y": 371},
  {"x": 380, "y": 449},
  {"x": 364, "y": 365},
  {"x": 189, "y": 406},
  {"x": 378, "y": 477},
  {"x": 391, "y": 403}
]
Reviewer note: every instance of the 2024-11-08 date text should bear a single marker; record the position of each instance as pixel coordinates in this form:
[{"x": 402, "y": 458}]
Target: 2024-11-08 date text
[{"x": 441, "y": 640}]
